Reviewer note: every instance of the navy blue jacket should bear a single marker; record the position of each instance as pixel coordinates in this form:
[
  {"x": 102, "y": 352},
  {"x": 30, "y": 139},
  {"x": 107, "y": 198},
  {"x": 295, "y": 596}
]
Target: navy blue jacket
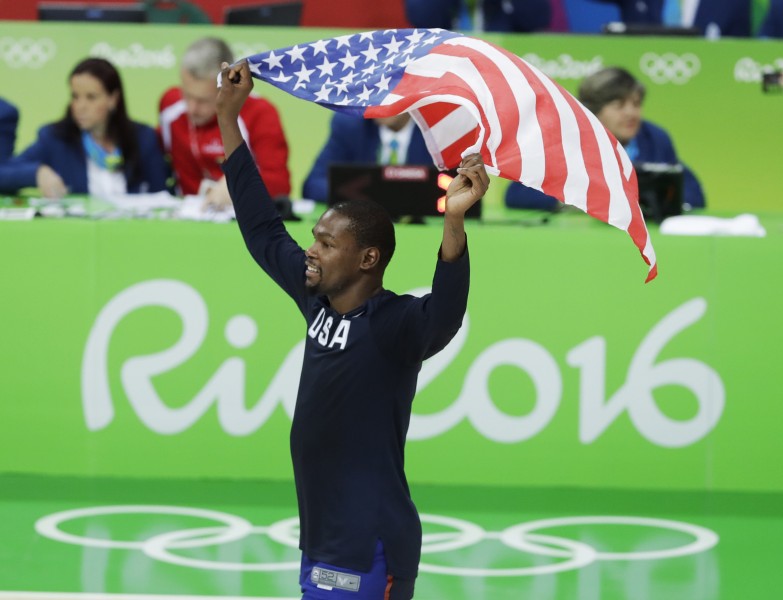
[
  {"x": 772, "y": 26},
  {"x": 733, "y": 17},
  {"x": 655, "y": 145},
  {"x": 354, "y": 140},
  {"x": 9, "y": 119},
  {"x": 69, "y": 161},
  {"x": 355, "y": 393}
]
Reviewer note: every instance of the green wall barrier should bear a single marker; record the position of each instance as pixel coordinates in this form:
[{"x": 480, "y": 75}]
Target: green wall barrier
[
  {"x": 150, "y": 348},
  {"x": 706, "y": 93}
]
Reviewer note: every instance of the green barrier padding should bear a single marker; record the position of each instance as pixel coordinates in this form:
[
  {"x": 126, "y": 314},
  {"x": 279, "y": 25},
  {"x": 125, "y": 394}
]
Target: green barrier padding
[{"x": 150, "y": 348}]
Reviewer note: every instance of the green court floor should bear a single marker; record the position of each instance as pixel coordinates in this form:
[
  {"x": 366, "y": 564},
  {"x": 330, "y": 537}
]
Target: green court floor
[{"x": 75, "y": 539}]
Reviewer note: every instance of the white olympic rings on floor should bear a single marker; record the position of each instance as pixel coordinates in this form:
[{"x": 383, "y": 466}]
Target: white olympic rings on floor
[
  {"x": 49, "y": 526},
  {"x": 520, "y": 537}
]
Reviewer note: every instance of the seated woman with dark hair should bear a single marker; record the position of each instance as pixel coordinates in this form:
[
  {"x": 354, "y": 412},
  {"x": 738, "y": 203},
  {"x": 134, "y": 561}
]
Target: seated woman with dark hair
[{"x": 94, "y": 149}]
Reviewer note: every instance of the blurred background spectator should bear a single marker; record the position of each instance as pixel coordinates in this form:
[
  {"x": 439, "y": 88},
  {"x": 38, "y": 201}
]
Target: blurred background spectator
[
  {"x": 616, "y": 97},
  {"x": 191, "y": 137},
  {"x": 9, "y": 119},
  {"x": 772, "y": 25},
  {"x": 488, "y": 15},
  {"x": 95, "y": 148},
  {"x": 174, "y": 11},
  {"x": 355, "y": 140},
  {"x": 714, "y": 18}
]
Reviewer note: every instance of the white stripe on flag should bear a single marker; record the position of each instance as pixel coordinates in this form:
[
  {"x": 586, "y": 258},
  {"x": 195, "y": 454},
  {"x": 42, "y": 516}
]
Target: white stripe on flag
[
  {"x": 619, "y": 211},
  {"x": 429, "y": 139},
  {"x": 577, "y": 178},
  {"x": 437, "y": 65},
  {"x": 529, "y": 138},
  {"x": 453, "y": 126}
]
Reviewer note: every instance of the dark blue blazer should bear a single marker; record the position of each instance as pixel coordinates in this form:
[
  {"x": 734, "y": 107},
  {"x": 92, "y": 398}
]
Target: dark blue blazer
[
  {"x": 70, "y": 162},
  {"x": 9, "y": 119},
  {"x": 354, "y": 140},
  {"x": 772, "y": 26},
  {"x": 655, "y": 145},
  {"x": 733, "y": 17}
]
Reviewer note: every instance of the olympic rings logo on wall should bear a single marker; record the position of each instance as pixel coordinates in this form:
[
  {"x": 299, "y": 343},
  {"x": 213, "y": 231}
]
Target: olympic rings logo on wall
[
  {"x": 27, "y": 52},
  {"x": 669, "y": 67},
  {"x": 567, "y": 554}
]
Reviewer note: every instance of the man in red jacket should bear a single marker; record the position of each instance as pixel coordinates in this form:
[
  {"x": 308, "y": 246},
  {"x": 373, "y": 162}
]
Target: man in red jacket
[{"x": 191, "y": 137}]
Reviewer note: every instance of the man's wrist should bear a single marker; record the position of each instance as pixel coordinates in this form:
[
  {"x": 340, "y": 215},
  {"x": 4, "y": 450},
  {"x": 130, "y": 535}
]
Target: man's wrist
[{"x": 227, "y": 120}]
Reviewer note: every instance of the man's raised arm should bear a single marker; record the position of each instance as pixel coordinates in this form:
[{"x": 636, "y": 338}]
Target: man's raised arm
[
  {"x": 464, "y": 191},
  {"x": 236, "y": 85}
]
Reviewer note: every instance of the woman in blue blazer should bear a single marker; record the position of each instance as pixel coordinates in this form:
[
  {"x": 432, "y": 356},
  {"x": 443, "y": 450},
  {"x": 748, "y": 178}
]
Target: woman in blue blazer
[
  {"x": 616, "y": 98},
  {"x": 95, "y": 148},
  {"x": 9, "y": 118}
]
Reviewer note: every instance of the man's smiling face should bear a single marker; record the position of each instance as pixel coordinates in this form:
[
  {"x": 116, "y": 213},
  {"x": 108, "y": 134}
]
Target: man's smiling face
[{"x": 334, "y": 259}]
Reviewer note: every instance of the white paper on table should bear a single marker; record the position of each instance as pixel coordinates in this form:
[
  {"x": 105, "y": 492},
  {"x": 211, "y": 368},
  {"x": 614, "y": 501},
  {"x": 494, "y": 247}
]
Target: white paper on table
[
  {"x": 742, "y": 225},
  {"x": 192, "y": 208},
  {"x": 17, "y": 213},
  {"x": 143, "y": 203}
]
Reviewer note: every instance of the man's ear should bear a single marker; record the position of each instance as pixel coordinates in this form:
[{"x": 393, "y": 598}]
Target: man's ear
[{"x": 370, "y": 258}]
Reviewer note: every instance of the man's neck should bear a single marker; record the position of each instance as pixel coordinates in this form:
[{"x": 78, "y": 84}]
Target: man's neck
[{"x": 353, "y": 298}]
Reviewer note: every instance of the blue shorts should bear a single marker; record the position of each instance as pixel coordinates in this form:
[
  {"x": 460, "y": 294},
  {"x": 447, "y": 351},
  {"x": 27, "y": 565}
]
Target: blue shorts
[{"x": 322, "y": 581}]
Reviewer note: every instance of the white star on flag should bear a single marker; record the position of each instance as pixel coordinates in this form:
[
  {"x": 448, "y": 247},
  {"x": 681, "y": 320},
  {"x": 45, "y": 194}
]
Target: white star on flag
[
  {"x": 322, "y": 95},
  {"x": 393, "y": 47},
  {"x": 344, "y": 40},
  {"x": 415, "y": 37},
  {"x": 326, "y": 67},
  {"x": 304, "y": 74},
  {"x": 319, "y": 47},
  {"x": 364, "y": 95},
  {"x": 370, "y": 54},
  {"x": 274, "y": 61},
  {"x": 349, "y": 61},
  {"x": 296, "y": 53},
  {"x": 383, "y": 83}
]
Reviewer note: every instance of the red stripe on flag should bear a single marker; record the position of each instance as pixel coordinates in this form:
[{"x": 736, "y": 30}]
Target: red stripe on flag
[
  {"x": 548, "y": 119},
  {"x": 637, "y": 229},
  {"x": 455, "y": 150},
  {"x": 451, "y": 154},
  {"x": 597, "y": 188},
  {"x": 504, "y": 102},
  {"x": 414, "y": 88}
]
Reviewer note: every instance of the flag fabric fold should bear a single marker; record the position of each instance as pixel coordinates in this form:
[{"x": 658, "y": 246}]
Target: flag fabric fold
[{"x": 468, "y": 95}]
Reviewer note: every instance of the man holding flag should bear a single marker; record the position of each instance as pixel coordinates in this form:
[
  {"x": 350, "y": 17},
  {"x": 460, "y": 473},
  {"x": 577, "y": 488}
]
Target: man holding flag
[{"x": 360, "y": 533}]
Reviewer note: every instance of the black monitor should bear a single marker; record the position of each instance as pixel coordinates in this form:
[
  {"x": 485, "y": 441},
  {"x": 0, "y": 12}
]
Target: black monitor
[
  {"x": 660, "y": 190},
  {"x": 405, "y": 191},
  {"x": 112, "y": 13},
  {"x": 284, "y": 13}
]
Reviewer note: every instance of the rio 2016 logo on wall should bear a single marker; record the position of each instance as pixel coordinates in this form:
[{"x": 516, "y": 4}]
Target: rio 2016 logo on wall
[
  {"x": 565, "y": 66},
  {"x": 136, "y": 56},
  {"x": 669, "y": 67},
  {"x": 749, "y": 70},
  {"x": 226, "y": 387}
]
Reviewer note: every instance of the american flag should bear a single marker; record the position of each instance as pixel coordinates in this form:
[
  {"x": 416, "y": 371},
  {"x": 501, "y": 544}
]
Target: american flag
[{"x": 468, "y": 95}]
